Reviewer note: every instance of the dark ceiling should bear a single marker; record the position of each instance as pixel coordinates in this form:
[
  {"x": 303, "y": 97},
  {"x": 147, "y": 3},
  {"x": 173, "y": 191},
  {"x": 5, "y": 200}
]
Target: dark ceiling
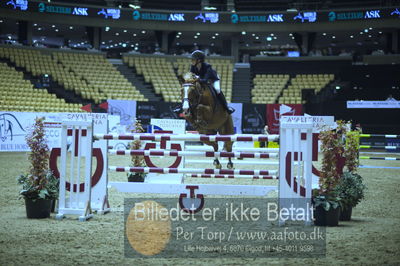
[{"x": 239, "y": 5}]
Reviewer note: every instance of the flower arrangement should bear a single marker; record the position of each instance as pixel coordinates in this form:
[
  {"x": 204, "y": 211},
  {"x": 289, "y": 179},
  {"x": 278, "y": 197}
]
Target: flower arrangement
[
  {"x": 350, "y": 187},
  {"x": 137, "y": 160},
  {"x": 351, "y": 150},
  {"x": 39, "y": 183}
]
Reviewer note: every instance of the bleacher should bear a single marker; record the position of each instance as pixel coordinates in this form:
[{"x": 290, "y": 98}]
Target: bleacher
[
  {"x": 88, "y": 75},
  {"x": 163, "y": 71},
  {"x": 268, "y": 87},
  {"x": 17, "y": 94}
]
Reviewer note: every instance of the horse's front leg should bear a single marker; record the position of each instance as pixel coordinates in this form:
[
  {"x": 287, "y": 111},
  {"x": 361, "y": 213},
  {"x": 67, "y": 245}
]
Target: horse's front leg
[
  {"x": 204, "y": 114},
  {"x": 228, "y": 148},
  {"x": 214, "y": 144}
]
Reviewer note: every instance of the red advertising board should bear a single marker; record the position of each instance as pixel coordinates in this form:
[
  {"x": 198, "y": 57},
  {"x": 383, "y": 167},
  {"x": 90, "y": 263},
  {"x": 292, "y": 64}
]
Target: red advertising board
[{"x": 275, "y": 111}]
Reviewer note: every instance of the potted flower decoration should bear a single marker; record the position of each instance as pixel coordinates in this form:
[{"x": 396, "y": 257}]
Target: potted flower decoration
[
  {"x": 136, "y": 160},
  {"x": 351, "y": 187},
  {"x": 39, "y": 186},
  {"x": 326, "y": 201}
]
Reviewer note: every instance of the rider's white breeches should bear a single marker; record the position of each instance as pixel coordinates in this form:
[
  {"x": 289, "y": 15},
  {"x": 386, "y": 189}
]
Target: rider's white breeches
[{"x": 217, "y": 86}]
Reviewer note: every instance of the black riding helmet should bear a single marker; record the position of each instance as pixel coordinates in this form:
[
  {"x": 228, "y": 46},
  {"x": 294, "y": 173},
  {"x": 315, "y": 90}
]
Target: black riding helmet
[{"x": 198, "y": 55}]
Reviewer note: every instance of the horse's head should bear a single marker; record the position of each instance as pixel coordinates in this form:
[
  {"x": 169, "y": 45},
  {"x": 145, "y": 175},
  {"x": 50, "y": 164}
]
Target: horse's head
[{"x": 188, "y": 82}]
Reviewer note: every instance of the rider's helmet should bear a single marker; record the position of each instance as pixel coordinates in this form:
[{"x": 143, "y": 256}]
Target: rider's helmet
[{"x": 198, "y": 55}]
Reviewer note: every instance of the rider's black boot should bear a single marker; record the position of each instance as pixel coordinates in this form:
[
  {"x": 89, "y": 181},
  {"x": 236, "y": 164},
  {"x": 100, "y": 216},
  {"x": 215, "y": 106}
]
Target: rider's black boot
[{"x": 222, "y": 99}]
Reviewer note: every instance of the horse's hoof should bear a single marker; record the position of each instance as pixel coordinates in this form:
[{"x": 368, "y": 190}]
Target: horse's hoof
[
  {"x": 230, "y": 165},
  {"x": 217, "y": 164}
]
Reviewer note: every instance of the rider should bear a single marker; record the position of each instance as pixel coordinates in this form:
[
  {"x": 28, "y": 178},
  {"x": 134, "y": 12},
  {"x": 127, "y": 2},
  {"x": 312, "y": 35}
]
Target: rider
[{"x": 206, "y": 74}]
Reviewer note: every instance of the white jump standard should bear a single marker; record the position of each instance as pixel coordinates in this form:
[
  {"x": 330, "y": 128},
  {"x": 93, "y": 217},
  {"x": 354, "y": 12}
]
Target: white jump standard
[{"x": 295, "y": 165}]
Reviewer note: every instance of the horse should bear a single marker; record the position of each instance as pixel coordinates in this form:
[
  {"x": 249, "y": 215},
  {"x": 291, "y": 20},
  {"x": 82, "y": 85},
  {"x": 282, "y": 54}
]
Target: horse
[{"x": 205, "y": 113}]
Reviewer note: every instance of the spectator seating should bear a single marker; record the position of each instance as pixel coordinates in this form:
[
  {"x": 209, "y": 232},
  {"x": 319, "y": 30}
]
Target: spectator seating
[
  {"x": 159, "y": 72},
  {"x": 103, "y": 80},
  {"x": 268, "y": 87},
  {"x": 292, "y": 94},
  {"x": 89, "y": 75},
  {"x": 162, "y": 71},
  {"x": 17, "y": 94}
]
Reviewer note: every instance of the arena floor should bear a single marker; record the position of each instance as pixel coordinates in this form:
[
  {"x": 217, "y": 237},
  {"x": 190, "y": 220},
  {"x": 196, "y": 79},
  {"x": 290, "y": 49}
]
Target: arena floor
[{"x": 371, "y": 238}]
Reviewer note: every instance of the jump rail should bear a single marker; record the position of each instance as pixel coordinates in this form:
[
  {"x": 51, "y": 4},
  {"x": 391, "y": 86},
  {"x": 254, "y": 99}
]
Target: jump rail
[
  {"x": 194, "y": 153},
  {"x": 186, "y": 137}
]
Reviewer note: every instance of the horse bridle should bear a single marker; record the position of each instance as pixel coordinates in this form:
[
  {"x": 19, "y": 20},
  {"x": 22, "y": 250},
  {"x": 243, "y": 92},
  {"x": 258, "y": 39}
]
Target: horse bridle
[{"x": 186, "y": 99}]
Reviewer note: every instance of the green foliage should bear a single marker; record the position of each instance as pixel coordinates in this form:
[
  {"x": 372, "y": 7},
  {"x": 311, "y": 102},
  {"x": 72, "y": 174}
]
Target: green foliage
[
  {"x": 35, "y": 188},
  {"x": 40, "y": 183},
  {"x": 332, "y": 147},
  {"x": 327, "y": 201},
  {"x": 350, "y": 189},
  {"x": 351, "y": 151},
  {"x": 136, "y": 160}
]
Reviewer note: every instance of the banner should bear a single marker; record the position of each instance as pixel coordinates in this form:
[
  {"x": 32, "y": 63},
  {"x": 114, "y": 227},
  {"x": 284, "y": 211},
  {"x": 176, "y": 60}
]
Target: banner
[
  {"x": 125, "y": 109},
  {"x": 373, "y": 104},
  {"x": 14, "y": 126},
  {"x": 237, "y": 117},
  {"x": 275, "y": 111},
  {"x": 253, "y": 121},
  {"x": 148, "y": 110}
]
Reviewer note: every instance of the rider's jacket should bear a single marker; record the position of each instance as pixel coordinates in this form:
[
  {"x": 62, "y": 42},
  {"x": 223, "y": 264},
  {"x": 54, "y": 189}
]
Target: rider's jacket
[{"x": 206, "y": 73}]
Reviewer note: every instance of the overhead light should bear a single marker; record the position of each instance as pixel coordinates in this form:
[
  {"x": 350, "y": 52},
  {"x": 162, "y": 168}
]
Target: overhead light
[
  {"x": 134, "y": 6},
  {"x": 324, "y": 33},
  {"x": 380, "y": 32},
  {"x": 178, "y": 43},
  {"x": 71, "y": 28},
  {"x": 272, "y": 34},
  {"x": 351, "y": 36},
  {"x": 198, "y": 33},
  {"x": 216, "y": 34},
  {"x": 292, "y": 10},
  {"x": 275, "y": 38},
  {"x": 179, "y": 33},
  {"x": 370, "y": 28},
  {"x": 269, "y": 38},
  {"x": 56, "y": 30},
  {"x": 257, "y": 38},
  {"x": 243, "y": 33},
  {"x": 210, "y": 8},
  {"x": 33, "y": 24},
  {"x": 366, "y": 30},
  {"x": 116, "y": 33},
  {"x": 369, "y": 36},
  {"x": 107, "y": 28},
  {"x": 195, "y": 36},
  {"x": 125, "y": 31},
  {"x": 134, "y": 35},
  {"x": 124, "y": 45},
  {"x": 213, "y": 37},
  {"x": 333, "y": 37},
  {"x": 143, "y": 31}
]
